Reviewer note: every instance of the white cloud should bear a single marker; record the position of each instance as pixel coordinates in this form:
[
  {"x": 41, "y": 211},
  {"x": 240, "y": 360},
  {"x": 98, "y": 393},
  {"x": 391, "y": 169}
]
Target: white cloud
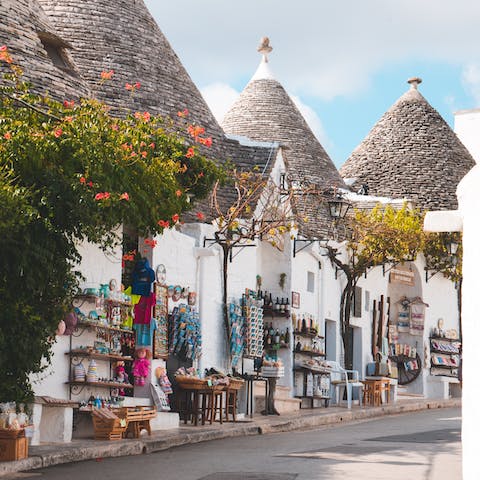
[
  {"x": 324, "y": 49},
  {"x": 313, "y": 121},
  {"x": 219, "y": 97},
  {"x": 471, "y": 80}
]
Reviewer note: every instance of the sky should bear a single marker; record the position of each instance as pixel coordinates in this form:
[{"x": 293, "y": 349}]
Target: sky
[{"x": 344, "y": 62}]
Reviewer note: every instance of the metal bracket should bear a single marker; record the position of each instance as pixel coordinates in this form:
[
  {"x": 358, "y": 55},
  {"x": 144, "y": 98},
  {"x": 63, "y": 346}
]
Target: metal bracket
[
  {"x": 213, "y": 240},
  {"x": 427, "y": 276},
  {"x": 306, "y": 241}
]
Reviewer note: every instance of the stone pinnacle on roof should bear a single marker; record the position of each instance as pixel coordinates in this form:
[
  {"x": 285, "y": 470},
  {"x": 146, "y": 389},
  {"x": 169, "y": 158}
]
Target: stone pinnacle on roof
[
  {"x": 411, "y": 152},
  {"x": 265, "y": 48},
  {"x": 265, "y": 112}
]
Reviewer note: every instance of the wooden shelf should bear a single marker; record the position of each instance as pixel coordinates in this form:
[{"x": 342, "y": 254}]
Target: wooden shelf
[
  {"x": 443, "y": 352},
  {"x": 307, "y": 334},
  {"x": 310, "y": 353},
  {"x": 311, "y": 370},
  {"x": 102, "y": 384},
  {"x": 94, "y": 298},
  {"x": 275, "y": 313},
  {"x": 446, "y": 339},
  {"x": 97, "y": 355},
  {"x": 104, "y": 327}
]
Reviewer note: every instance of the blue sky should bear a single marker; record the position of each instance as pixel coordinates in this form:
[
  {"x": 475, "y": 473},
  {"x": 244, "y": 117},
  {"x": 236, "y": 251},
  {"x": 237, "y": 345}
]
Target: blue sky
[{"x": 344, "y": 62}]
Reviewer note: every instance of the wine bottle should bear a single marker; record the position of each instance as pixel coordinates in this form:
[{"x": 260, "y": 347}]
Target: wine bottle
[
  {"x": 282, "y": 338},
  {"x": 304, "y": 325},
  {"x": 287, "y": 337},
  {"x": 282, "y": 306},
  {"x": 277, "y": 305},
  {"x": 276, "y": 340},
  {"x": 287, "y": 306}
]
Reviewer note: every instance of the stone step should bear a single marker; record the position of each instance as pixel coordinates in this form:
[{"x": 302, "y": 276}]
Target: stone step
[{"x": 283, "y": 405}]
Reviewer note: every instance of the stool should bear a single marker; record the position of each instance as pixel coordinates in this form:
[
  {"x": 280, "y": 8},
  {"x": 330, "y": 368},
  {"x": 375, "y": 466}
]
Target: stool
[
  {"x": 215, "y": 405},
  {"x": 231, "y": 404},
  {"x": 372, "y": 393},
  {"x": 385, "y": 387}
]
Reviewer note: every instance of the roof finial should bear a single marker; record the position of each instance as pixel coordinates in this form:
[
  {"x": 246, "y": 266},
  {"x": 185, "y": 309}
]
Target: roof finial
[
  {"x": 414, "y": 82},
  {"x": 264, "y": 48}
]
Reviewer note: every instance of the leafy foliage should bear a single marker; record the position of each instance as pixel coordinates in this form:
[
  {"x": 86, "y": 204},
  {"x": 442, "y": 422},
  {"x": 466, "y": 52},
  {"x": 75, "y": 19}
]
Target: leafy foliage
[
  {"x": 72, "y": 172},
  {"x": 439, "y": 259}
]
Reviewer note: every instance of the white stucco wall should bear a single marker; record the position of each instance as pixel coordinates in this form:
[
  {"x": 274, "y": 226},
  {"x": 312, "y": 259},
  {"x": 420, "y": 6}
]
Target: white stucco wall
[
  {"x": 467, "y": 127},
  {"x": 97, "y": 267}
]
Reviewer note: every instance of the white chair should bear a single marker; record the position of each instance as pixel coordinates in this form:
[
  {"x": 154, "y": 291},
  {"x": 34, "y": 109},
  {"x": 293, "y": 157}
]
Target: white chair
[{"x": 339, "y": 378}]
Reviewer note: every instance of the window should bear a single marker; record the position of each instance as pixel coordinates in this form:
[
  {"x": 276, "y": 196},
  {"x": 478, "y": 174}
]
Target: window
[
  {"x": 55, "y": 50},
  {"x": 310, "y": 282}
]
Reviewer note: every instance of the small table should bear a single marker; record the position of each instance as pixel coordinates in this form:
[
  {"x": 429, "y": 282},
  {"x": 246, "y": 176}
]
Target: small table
[{"x": 377, "y": 390}]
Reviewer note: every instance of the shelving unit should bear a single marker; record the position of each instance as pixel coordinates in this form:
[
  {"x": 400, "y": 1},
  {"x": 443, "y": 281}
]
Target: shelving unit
[
  {"x": 107, "y": 334},
  {"x": 319, "y": 388},
  {"x": 444, "y": 356}
]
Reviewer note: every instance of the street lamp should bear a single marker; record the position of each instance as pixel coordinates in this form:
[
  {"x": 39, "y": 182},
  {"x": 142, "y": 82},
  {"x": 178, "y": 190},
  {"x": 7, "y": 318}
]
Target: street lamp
[
  {"x": 451, "y": 246},
  {"x": 338, "y": 207}
]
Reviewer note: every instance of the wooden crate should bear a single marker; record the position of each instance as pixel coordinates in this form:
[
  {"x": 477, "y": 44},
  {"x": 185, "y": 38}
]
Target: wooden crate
[
  {"x": 13, "y": 448},
  {"x": 107, "y": 425}
]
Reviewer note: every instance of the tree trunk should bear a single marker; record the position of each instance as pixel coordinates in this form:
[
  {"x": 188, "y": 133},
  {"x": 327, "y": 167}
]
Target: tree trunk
[
  {"x": 345, "y": 313},
  {"x": 226, "y": 322}
]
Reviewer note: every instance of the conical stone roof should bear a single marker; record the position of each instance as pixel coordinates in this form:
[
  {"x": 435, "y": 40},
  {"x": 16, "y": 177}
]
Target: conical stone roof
[
  {"x": 122, "y": 36},
  {"x": 23, "y": 24},
  {"x": 411, "y": 153},
  {"x": 265, "y": 112}
]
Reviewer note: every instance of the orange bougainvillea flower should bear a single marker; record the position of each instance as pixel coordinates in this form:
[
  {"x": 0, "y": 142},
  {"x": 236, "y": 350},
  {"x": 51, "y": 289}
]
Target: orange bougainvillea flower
[
  {"x": 133, "y": 154},
  {"x": 7, "y": 136},
  {"x": 90, "y": 184},
  {"x": 137, "y": 85},
  {"x": 175, "y": 217},
  {"x": 200, "y": 216},
  {"x": 68, "y": 103},
  {"x": 57, "y": 132},
  {"x": 68, "y": 119},
  {"x": 144, "y": 154},
  {"x": 3, "y": 48},
  {"x": 178, "y": 193},
  {"x": 146, "y": 116},
  {"x": 190, "y": 153},
  {"x": 4, "y": 55},
  {"x": 205, "y": 141},
  {"x": 125, "y": 196},
  {"x": 102, "y": 196},
  {"x": 128, "y": 86},
  {"x": 152, "y": 145},
  {"x": 200, "y": 175},
  {"x": 106, "y": 75},
  {"x": 150, "y": 242},
  {"x": 115, "y": 127},
  {"x": 164, "y": 223},
  {"x": 184, "y": 113},
  {"x": 83, "y": 180}
]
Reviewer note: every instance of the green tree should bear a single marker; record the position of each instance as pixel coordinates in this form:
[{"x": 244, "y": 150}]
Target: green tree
[{"x": 71, "y": 172}]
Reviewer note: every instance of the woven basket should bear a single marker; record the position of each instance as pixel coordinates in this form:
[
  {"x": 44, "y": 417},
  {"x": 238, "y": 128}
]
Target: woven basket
[
  {"x": 7, "y": 433},
  {"x": 189, "y": 382},
  {"x": 236, "y": 383}
]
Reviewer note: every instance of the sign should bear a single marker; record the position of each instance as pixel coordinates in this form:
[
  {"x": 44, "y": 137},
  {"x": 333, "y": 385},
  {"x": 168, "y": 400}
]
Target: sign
[
  {"x": 402, "y": 275},
  {"x": 295, "y": 300}
]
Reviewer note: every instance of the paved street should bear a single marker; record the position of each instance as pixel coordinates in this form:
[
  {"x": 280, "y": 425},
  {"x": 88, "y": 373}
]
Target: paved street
[{"x": 420, "y": 446}]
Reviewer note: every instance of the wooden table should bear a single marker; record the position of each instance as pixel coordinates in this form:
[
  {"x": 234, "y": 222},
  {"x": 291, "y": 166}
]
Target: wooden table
[{"x": 376, "y": 391}]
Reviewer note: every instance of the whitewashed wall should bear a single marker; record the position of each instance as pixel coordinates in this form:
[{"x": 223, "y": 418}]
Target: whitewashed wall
[
  {"x": 467, "y": 127},
  {"x": 97, "y": 267}
]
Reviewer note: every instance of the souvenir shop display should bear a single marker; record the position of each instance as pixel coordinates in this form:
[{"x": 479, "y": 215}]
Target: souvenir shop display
[
  {"x": 410, "y": 317},
  {"x": 15, "y": 425},
  {"x": 141, "y": 366},
  {"x": 237, "y": 330},
  {"x": 273, "y": 305},
  {"x": 142, "y": 278},
  {"x": 253, "y": 314},
  {"x": 275, "y": 339},
  {"x": 185, "y": 332},
  {"x": 445, "y": 352},
  {"x": 160, "y": 313}
]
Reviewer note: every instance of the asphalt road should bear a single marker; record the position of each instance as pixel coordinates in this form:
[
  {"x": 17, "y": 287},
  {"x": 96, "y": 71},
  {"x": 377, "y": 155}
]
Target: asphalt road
[{"x": 419, "y": 446}]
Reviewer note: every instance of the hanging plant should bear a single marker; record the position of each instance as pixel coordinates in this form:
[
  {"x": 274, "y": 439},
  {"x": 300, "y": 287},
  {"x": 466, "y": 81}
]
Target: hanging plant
[{"x": 283, "y": 277}]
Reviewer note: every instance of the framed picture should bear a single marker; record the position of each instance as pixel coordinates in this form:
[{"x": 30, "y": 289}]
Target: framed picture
[{"x": 295, "y": 300}]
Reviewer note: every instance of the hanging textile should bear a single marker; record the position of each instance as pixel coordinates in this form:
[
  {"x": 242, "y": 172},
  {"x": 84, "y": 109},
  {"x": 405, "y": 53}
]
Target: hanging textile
[{"x": 417, "y": 317}]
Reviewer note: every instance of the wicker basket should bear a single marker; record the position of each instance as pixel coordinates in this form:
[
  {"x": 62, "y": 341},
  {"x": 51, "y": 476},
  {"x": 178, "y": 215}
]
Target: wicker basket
[
  {"x": 7, "y": 433},
  {"x": 236, "y": 383},
  {"x": 190, "y": 382}
]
